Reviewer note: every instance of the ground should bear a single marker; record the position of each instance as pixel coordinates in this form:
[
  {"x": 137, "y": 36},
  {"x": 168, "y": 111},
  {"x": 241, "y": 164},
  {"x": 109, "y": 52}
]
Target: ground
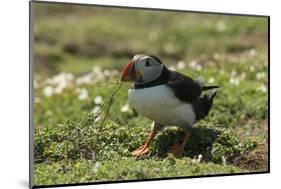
[{"x": 79, "y": 53}]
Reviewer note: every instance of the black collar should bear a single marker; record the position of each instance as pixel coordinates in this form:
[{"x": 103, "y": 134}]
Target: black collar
[{"x": 163, "y": 79}]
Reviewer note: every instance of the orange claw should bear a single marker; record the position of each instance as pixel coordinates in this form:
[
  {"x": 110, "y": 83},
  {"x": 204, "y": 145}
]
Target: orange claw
[
  {"x": 144, "y": 148},
  {"x": 178, "y": 149},
  {"x": 140, "y": 151}
]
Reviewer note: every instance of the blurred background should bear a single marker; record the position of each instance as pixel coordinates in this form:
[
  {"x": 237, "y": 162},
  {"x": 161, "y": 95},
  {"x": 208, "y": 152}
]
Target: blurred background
[{"x": 75, "y": 38}]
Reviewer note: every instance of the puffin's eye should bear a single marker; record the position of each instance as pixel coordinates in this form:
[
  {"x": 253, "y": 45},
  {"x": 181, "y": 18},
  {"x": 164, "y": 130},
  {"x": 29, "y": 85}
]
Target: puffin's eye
[{"x": 147, "y": 64}]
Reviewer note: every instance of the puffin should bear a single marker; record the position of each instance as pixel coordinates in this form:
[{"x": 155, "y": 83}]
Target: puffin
[{"x": 166, "y": 97}]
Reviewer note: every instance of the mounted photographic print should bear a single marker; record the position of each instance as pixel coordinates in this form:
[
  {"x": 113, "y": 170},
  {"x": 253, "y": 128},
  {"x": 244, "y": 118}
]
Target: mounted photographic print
[{"x": 123, "y": 94}]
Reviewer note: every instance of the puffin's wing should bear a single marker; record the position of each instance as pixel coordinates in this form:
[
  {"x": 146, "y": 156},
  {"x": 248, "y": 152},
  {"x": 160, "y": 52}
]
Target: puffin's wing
[{"x": 184, "y": 87}]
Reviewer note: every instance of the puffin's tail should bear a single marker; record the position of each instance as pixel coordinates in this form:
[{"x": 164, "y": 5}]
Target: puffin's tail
[
  {"x": 204, "y": 104},
  {"x": 210, "y": 87},
  {"x": 200, "y": 81}
]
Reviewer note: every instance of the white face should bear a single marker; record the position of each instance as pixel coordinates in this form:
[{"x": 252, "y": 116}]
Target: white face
[{"x": 146, "y": 69}]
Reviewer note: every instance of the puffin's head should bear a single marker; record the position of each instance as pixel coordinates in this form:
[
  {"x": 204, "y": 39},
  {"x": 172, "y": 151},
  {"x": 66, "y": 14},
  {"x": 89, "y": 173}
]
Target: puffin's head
[{"x": 142, "y": 69}]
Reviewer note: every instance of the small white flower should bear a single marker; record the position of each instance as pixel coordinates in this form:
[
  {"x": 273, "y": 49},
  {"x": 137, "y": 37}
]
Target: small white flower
[
  {"x": 85, "y": 79},
  {"x": 58, "y": 89},
  {"x": 106, "y": 73},
  {"x": 125, "y": 108},
  {"x": 98, "y": 100},
  {"x": 216, "y": 56},
  {"x": 48, "y": 91},
  {"x": 211, "y": 80},
  {"x": 252, "y": 68},
  {"x": 193, "y": 64},
  {"x": 181, "y": 65},
  {"x": 37, "y": 100},
  {"x": 243, "y": 76},
  {"x": 60, "y": 82},
  {"x": 96, "y": 69},
  {"x": 260, "y": 75},
  {"x": 83, "y": 94},
  {"x": 69, "y": 76},
  {"x": 262, "y": 88},
  {"x": 253, "y": 52},
  {"x": 95, "y": 168},
  {"x": 199, "y": 158},
  {"x": 234, "y": 81},
  {"x": 223, "y": 160},
  {"x": 62, "y": 79}
]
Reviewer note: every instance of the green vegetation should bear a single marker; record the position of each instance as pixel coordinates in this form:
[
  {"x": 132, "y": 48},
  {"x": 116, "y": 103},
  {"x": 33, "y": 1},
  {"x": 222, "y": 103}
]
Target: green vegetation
[{"x": 79, "y": 52}]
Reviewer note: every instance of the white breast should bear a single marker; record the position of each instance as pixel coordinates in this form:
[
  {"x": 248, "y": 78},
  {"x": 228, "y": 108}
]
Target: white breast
[{"x": 160, "y": 104}]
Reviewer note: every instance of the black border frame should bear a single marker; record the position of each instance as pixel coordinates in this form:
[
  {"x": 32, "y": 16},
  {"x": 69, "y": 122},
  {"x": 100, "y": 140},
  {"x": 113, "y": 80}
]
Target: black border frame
[{"x": 31, "y": 150}]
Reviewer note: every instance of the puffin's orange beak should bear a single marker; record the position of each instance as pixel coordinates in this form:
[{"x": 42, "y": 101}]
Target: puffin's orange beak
[{"x": 126, "y": 72}]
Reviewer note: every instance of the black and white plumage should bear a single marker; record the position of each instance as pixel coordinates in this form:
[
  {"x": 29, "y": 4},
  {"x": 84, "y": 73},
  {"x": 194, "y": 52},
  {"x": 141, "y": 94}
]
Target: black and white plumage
[{"x": 169, "y": 98}]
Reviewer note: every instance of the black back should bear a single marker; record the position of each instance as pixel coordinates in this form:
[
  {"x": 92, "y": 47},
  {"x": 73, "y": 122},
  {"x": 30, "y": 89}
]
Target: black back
[{"x": 184, "y": 87}]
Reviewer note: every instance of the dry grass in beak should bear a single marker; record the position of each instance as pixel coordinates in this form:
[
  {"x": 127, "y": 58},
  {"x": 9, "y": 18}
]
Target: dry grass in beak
[{"x": 107, "y": 104}]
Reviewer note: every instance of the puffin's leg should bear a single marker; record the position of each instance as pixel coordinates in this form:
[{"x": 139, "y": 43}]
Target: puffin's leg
[
  {"x": 144, "y": 148},
  {"x": 178, "y": 149}
]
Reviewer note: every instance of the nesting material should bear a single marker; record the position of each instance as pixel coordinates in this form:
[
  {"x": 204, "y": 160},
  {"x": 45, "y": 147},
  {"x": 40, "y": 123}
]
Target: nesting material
[{"x": 105, "y": 106}]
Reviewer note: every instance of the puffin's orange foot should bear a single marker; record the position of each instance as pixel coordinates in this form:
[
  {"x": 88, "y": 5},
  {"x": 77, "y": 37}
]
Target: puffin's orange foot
[
  {"x": 140, "y": 151},
  {"x": 177, "y": 150}
]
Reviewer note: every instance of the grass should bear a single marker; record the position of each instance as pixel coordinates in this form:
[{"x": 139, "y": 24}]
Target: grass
[
  {"x": 68, "y": 172},
  {"x": 78, "y": 58}
]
